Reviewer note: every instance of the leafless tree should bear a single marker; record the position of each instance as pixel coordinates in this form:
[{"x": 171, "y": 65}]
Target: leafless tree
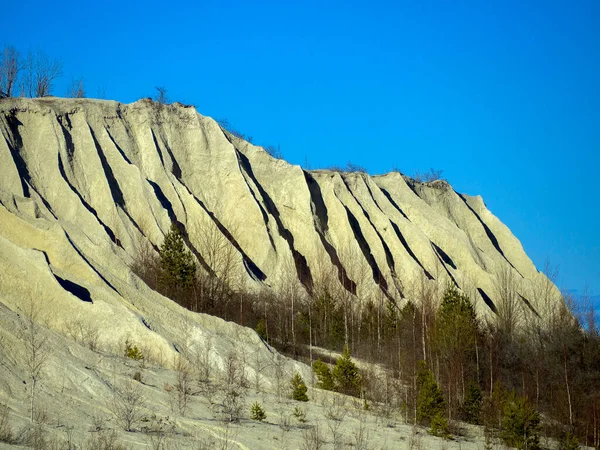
[
  {"x": 183, "y": 384},
  {"x": 161, "y": 95},
  {"x": 77, "y": 89},
  {"x": 128, "y": 404},
  {"x": 232, "y": 394},
  {"x": 37, "y": 349},
  {"x": 40, "y": 73},
  {"x": 10, "y": 65},
  {"x": 312, "y": 439},
  {"x": 222, "y": 257}
]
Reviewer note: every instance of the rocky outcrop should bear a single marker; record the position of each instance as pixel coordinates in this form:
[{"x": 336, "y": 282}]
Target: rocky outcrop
[{"x": 85, "y": 183}]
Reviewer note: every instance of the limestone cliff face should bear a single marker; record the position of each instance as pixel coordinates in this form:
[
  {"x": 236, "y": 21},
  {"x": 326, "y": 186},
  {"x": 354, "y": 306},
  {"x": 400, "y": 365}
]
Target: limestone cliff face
[{"x": 85, "y": 183}]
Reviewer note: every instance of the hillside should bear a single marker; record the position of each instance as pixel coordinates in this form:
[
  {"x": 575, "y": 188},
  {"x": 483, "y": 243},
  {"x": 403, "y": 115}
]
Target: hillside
[{"x": 88, "y": 191}]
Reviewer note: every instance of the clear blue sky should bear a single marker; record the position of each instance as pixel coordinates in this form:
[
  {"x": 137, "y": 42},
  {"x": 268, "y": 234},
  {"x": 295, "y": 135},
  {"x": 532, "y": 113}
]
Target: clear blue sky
[{"x": 503, "y": 96}]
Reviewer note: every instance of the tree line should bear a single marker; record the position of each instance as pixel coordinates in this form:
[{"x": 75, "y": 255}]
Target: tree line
[{"x": 519, "y": 374}]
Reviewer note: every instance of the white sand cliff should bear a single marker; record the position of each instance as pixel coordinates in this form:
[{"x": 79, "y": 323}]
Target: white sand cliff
[{"x": 85, "y": 183}]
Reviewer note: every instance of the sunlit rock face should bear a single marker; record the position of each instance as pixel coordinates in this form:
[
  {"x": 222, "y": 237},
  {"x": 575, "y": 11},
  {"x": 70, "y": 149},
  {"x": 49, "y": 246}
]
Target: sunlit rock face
[{"x": 85, "y": 184}]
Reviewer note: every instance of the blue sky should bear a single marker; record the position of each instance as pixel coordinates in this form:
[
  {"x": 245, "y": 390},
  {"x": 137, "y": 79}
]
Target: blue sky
[{"x": 503, "y": 96}]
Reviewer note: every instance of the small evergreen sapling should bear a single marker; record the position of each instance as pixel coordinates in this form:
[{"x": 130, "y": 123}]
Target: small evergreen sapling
[
  {"x": 299, "y": 388},
  {"x": 431, "y": 407},
  {"x": 257, "y": 412},
  {"x": 345, "y": 375},
  {"x": 176, "y": 260},
  {"x": 520, "y": 423},
  {"x": 324, "y": 377},
  {"x": 472, "y": 404},
  {"x": 132, "y": 351}
]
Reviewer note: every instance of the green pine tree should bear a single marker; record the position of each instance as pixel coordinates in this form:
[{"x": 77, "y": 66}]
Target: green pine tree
[
  {"x": 472, "y": 404},
  {"x": 324, "y": 377},
  {"x": 257, "y": 412},
  {"x": 261, "y": 329},
  {"x": 177, "y": 262},
  {"x": 431, "y": 407},
  {"x": 520, "y": 423},
  {"x": 299, "y": 388},
  {"x": 345, "y": 375}
]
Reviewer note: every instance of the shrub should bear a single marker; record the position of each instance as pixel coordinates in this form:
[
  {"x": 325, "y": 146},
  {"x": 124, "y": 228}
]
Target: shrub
[
  {"x": 299, "y": 414},
  {"x": 132, "y": 351},
  {"x": 345, "y": 375},
  {"x": 299, "y": 388},
  {"x": 324, "y": 377},
  {"x": 520, "y": 423},
  {"x": 257, "y": 412}
]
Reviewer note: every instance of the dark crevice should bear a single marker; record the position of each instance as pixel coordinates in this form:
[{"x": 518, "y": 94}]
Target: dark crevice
[
  {"x": 120, "y": 150},
  {"x": 488, "y": 301},
  {"x": 137, "y": 227},
  {"x": 388, "y": 254},
  {"x": 162, "y": 161},
  {"x": 365, "y": 180},
  {"x": 146, "y": 324},
  {"x": 529, "y": 305},
  {"x": 442, "y": 262},
  {"x": 115, "y": 189},
  {"x": 409, "y": 250},
  {"x": 69, "y": 146},
  {"x": 366, "y": 250},
  {"x": 412, "y": 187},
  {"x": 260, "y": 208},
  {"x": 488, "y": 232},
  {"x": 394, "y": 204},
  {"x": 302, "y": 269},
  {"x": 175, "y": 169},
  {"x": 162, "y": 198},
  {"x": 444, "y": 256},
  {"x": 113, "y": 184},
  {"x": 320, "y": 220},
  {"x": 318, "y": 207},
  {"x": 89, "y": 264},
  {"x": 43, "y": 200},
  {"x": 87, "y": 206},
  {"x": 250, "y": 266},
  {"x": 77, "y": 290},
  {"x": 15, "y": 151}
]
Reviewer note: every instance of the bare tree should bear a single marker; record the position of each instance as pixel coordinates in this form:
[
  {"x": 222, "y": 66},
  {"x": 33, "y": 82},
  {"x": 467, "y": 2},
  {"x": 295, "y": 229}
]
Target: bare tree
[
  {"x": 183, "y": 383},
  {"x": 10, "y": 65},
  {"x": 77, "y": 89},
  {"x": 37, "y": 349},
  {"x": 161, "y": 95},
  {"x": 40, "y": 73},
  {"x": 509, "y": 312},
  {"x": 128, "y": 404}
]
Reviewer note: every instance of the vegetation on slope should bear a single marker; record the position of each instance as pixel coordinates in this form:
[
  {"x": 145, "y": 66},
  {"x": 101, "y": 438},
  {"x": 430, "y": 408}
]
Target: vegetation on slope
[{"x": 517, "y": 372}]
